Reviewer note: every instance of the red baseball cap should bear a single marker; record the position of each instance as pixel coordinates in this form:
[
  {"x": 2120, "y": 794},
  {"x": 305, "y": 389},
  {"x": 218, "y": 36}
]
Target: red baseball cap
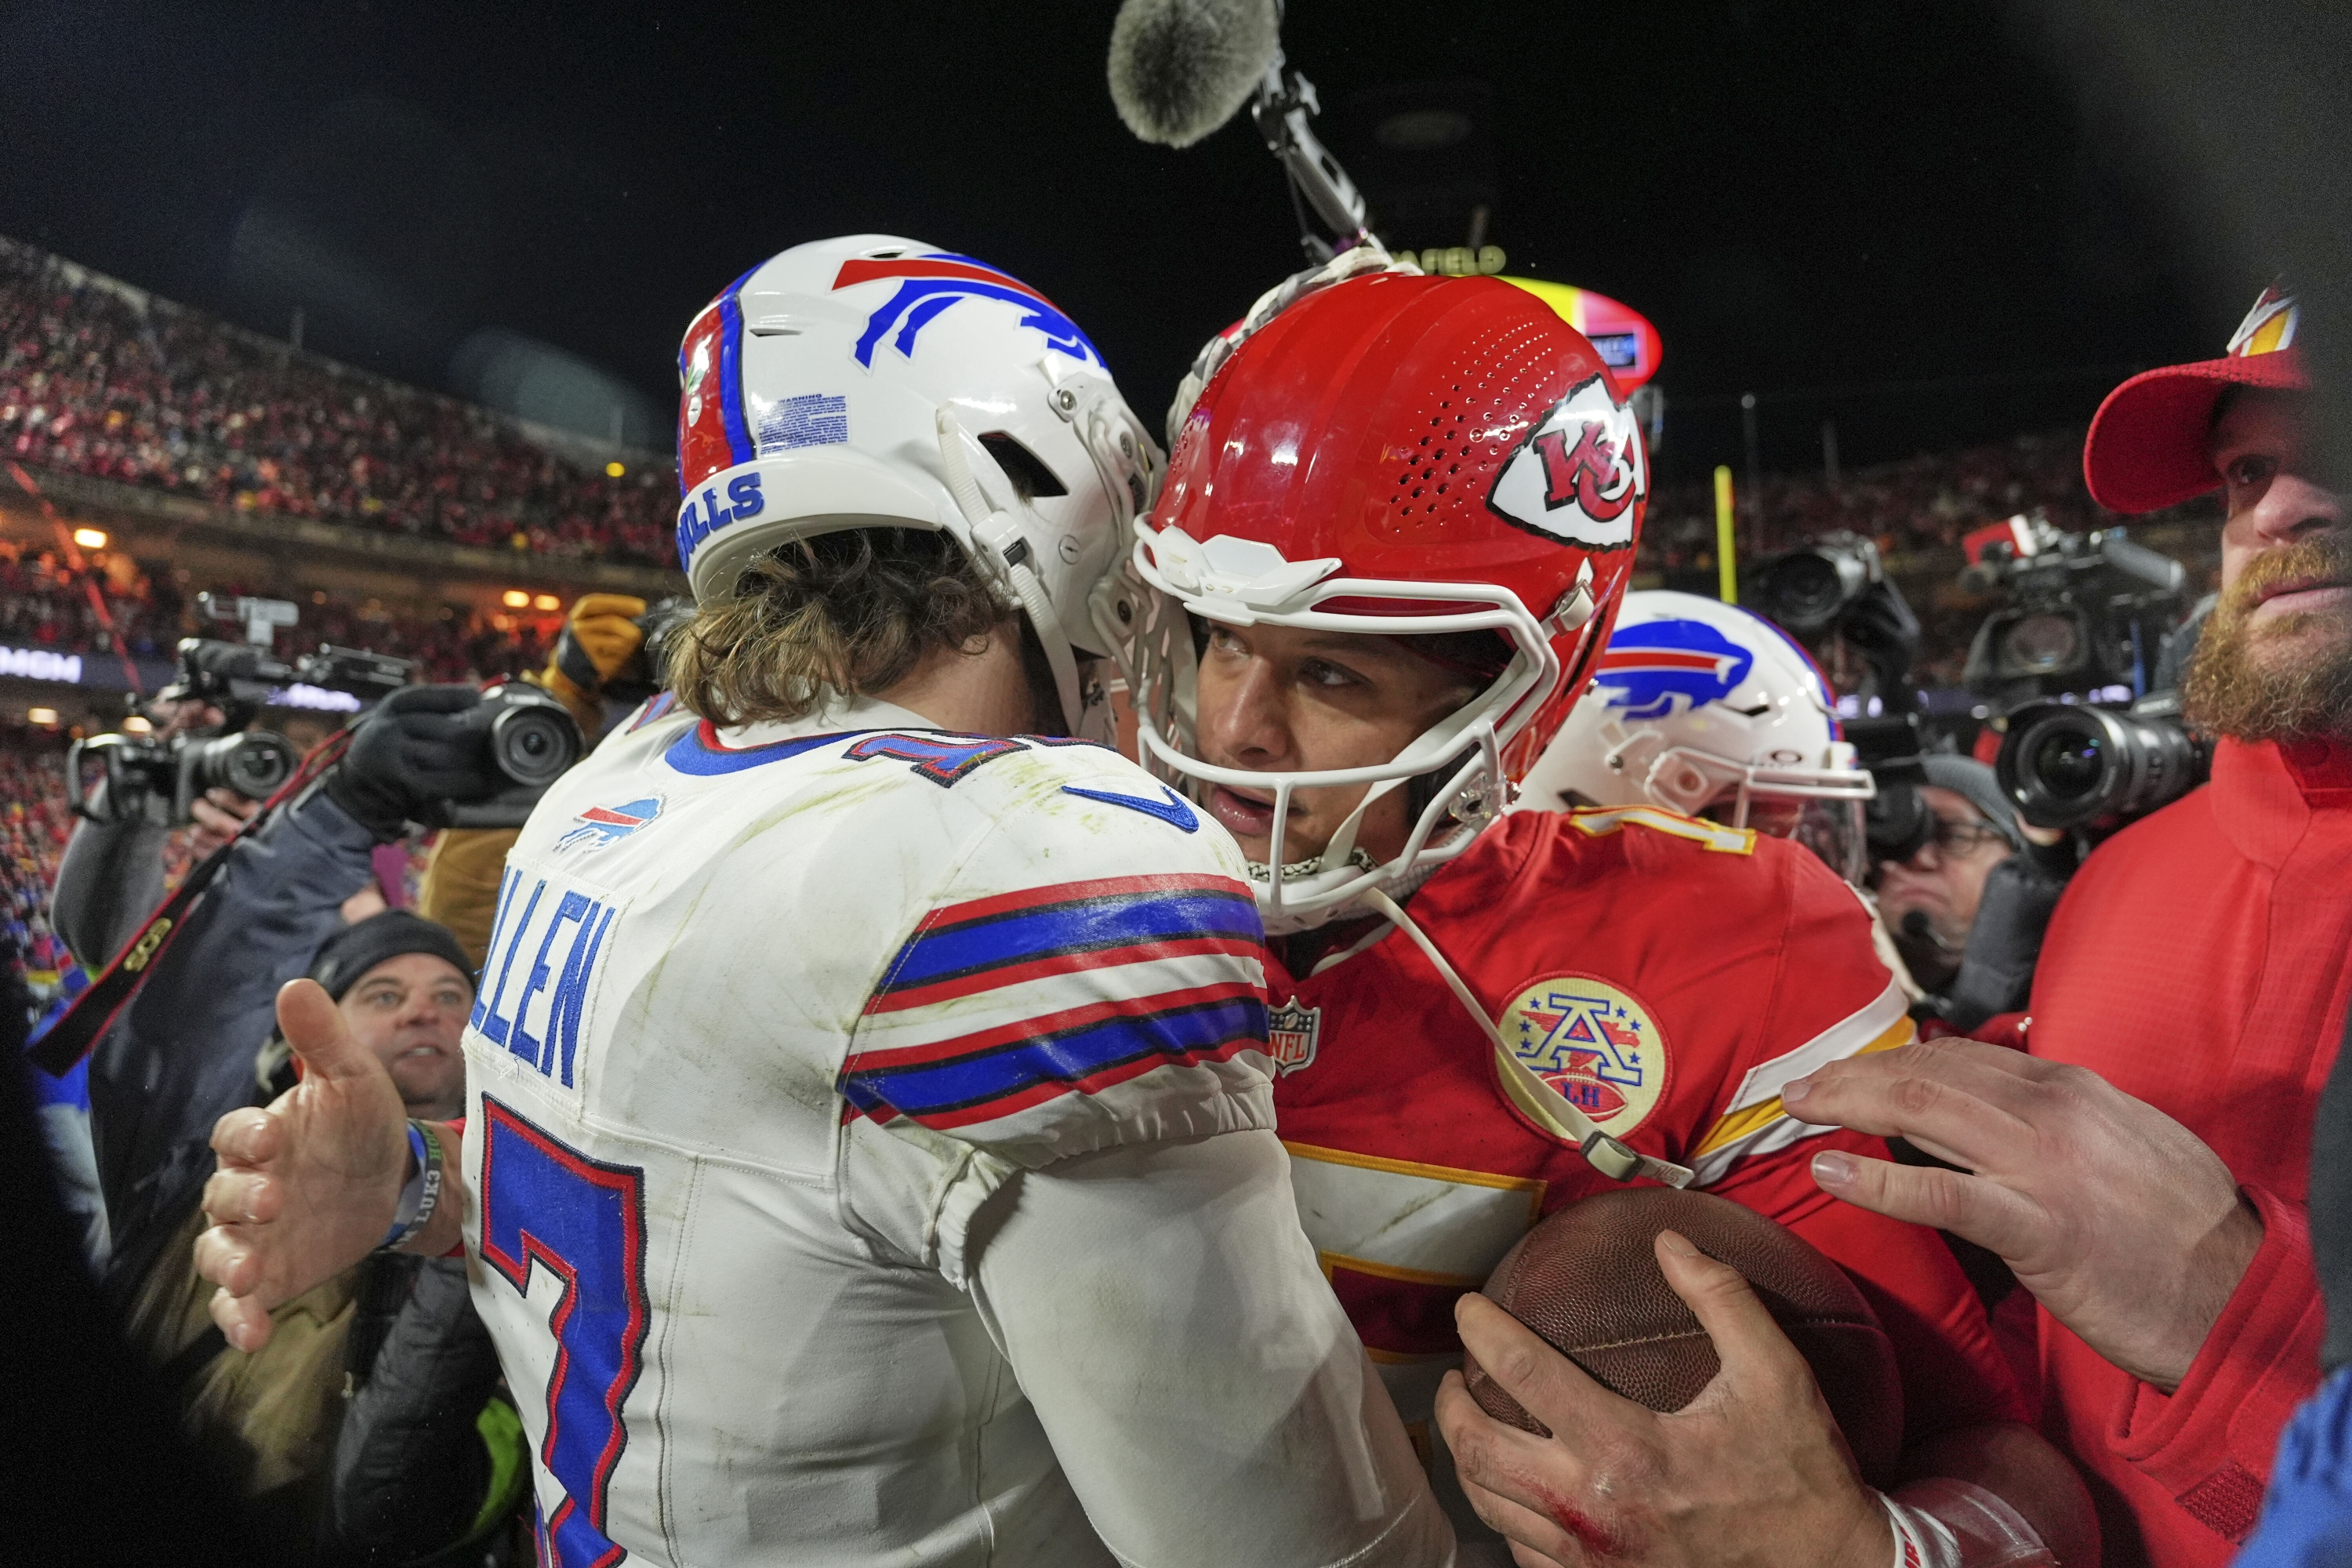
[{"x": 2146, "y": 449}]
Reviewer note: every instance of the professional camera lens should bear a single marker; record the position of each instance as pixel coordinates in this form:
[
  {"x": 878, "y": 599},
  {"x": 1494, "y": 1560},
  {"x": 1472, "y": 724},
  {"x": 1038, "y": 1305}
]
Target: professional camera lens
[
  {"x": 1805, "y": 590},
  {"x": 256, "y": 765},
  {"x": 2069, "y": 763},
  {"x": 2065, "y": 764},
  {"x": 535, "y": 744},
  {"x": 2041, "y": 643}
]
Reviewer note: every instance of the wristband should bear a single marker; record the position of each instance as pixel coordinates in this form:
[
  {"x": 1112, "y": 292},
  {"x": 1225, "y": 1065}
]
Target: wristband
[
  {"x": 422, "y": 1194},
  {"x": 1947, "y": 1523}
]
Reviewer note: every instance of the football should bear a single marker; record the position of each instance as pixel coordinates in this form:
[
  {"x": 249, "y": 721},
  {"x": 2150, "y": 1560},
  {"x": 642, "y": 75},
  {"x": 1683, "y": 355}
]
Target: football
[{"x": 1589, "y": 1282}]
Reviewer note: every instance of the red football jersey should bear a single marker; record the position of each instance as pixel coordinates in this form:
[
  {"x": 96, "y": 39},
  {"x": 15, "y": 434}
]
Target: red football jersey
[{"x": 1667, "y": 976}]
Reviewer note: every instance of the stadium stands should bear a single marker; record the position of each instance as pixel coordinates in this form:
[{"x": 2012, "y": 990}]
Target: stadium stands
[{"x": 99, "y": 379}]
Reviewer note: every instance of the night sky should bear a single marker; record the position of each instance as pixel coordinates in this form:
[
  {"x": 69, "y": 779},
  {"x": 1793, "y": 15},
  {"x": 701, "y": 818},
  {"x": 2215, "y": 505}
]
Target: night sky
[{"x": 1802, "y": 196}]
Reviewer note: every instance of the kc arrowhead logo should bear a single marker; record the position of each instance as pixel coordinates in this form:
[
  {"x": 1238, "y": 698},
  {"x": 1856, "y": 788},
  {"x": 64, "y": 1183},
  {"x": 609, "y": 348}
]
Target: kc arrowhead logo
[{"x": 1577, "y": 475}]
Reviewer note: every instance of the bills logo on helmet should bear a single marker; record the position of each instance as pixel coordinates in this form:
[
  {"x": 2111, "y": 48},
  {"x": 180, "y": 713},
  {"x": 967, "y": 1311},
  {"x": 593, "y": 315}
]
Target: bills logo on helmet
[
  {"x": 602, "y": 825},
  {"x": 1660, "y": 667},
  {"x": 1578, "y": 475},
  {"x": 929, "y": 284},
  {"x": 1591, "y": 1044}
]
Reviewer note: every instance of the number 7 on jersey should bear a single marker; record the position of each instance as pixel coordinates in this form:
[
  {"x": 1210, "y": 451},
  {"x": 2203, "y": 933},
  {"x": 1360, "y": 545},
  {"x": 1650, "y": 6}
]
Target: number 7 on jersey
[{"x": 548, "y": 1205}]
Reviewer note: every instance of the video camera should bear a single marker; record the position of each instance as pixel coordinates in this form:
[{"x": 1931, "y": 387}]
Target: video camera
[
  {"x": 1895, "y": 821},
  {"x": 239, "y": 677},
  {"x": 1837, "y": 587},
  {"x": 532, "y": 740},
  {"x": 158, "y": 780},
  {"x": 2070, "y": 764},
  {"x": 2082, "y": 612}
]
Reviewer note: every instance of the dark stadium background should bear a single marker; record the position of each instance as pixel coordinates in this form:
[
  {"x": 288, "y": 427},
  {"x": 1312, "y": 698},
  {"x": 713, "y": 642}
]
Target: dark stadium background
[{"x": 1808, "y": 197}]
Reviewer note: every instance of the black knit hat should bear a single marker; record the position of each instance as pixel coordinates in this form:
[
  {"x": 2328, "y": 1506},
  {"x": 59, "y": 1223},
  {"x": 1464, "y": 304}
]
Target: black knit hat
[
  {"x": 1967, "y": 776},
  {"x": 351, "y": 952}
]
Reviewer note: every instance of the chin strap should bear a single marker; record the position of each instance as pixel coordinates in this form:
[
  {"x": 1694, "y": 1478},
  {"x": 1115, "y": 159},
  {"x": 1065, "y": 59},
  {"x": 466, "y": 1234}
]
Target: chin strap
[
  {"x": 1611, "y": 1156},
  {"x": 1946, "y": 1523},
  {"x": 1001, "y": 536}
]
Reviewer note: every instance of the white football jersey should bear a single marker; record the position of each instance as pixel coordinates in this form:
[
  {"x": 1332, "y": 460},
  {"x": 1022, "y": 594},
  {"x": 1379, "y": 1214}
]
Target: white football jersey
[{"x": 768, "y": 1015}]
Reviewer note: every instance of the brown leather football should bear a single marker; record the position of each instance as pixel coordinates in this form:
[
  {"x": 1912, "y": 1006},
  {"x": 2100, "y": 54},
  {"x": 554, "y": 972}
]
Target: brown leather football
[{"x": 1589, "y": 1282}]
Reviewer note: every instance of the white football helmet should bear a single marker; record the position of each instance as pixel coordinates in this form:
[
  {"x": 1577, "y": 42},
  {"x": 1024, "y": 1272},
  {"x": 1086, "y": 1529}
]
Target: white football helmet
[
  {"x": 1705, "y": 708},
  {"x": 878, "y": 382}
]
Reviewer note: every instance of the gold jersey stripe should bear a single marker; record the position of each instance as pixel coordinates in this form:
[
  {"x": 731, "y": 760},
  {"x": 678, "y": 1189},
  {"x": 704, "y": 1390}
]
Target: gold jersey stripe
[
  {"x": 1535, "y": 1185},
  {"x": 1740, "y": 1123},
  {"x": 1330, "y": 1260},
  {"x": 1599, "y": 822}
]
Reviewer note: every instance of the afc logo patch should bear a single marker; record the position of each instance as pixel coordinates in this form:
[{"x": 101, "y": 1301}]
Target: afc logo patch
[
  {"x": 1594, "y": 1044},
  {"x": 1292, "y": 1033},
  {"x": 1578, "y": 475}
]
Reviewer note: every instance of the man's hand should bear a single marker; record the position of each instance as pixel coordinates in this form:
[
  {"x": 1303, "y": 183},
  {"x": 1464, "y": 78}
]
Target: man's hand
[
  {"x": 1753, "y": 1471},
  {"x": 2117, "y": 1219},
  {"x": 307, "y": 1187},
  {"x": 218, "y": 814},
  {"x": 182, "y": 715}
]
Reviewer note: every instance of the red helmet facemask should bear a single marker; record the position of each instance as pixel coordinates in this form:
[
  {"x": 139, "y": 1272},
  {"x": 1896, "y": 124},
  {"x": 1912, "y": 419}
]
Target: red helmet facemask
[{"x": 1395, "y": 455}]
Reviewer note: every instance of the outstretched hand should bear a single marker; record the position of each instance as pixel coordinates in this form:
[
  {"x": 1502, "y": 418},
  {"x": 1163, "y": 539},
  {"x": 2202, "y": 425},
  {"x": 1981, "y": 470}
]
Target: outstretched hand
[
  {"x": 307, "y": 1187},
  {"x": 2119, "y": 1219},
  {"x": 1752, "y": 1471}
]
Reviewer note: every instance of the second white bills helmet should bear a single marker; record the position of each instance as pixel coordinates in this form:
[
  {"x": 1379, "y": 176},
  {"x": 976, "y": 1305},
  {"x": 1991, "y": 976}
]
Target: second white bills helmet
[
  {"x": 1707, "y": 710},
  {"x": 872, "y": 381}
]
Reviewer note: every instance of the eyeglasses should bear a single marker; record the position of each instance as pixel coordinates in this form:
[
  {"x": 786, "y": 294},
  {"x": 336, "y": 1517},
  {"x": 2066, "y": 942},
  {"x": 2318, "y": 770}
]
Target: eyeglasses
[{"x": 1955, "y": 840}]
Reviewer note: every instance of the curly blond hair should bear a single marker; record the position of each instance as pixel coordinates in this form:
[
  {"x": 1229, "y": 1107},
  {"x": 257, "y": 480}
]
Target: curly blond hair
[{"x": 842, "y": 614}]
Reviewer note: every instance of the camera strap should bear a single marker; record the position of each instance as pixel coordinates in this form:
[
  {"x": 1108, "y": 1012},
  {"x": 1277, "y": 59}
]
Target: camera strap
[
  {"x": 86, "y": 1020},
  {"x": 78, "y": 1029}
]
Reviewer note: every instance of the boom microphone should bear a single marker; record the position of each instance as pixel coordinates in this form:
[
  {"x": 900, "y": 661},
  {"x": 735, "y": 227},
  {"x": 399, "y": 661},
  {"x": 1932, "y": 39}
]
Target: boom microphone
[{"x": 1180, "y": 68}]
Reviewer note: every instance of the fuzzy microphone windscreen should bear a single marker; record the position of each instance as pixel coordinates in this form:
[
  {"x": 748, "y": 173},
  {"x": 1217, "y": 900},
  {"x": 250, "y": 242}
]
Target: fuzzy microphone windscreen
[{"x": 1180, "y": 68}]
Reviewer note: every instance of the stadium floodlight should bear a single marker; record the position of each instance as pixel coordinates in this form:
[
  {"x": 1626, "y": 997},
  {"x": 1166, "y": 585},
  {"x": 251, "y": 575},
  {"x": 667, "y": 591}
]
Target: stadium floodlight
[
  {"x": 90, "y": 538},
  {"x": 515, "y": 599}
]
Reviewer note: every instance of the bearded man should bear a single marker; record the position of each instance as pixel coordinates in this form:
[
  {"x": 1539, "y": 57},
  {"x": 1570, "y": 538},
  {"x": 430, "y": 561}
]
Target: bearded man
[{"x": 2142, "y": 1164}]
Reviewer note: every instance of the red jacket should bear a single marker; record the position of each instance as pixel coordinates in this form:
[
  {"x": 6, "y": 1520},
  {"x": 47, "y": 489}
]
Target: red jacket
[{"x": 2199, "y": 961}]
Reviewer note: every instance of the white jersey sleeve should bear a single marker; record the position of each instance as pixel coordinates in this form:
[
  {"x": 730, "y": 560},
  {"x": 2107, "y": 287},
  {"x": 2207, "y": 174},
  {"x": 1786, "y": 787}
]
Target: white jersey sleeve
[
  {"x": 1089, "y": 974},
  {"x": 788, "y": 1035},
  {"x": 1208, "y": 1398}
]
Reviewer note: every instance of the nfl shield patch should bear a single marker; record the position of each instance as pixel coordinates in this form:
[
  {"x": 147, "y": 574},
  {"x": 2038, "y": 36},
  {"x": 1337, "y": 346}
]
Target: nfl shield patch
[{"x": 1290, "y": 1034}]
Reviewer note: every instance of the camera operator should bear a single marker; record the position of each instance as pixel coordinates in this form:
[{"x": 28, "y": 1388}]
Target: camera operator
[
  {"x": 606, "y": 663},
  {"x": 2144, "y": 1169},
  {"x": 182, "y": 1050},
  {"x": 112, "y": 871},
  {"x": 1968, "y": 906}
]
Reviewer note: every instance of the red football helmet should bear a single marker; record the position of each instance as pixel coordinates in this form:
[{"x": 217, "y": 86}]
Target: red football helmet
[{"x": 1402, "y": 455}]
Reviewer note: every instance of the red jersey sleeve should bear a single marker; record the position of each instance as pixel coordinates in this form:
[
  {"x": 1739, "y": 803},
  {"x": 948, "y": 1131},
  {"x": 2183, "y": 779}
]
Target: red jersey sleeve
[
  {"x": 1828, "y": 997},
  {"x": 1832, "y": 998}
]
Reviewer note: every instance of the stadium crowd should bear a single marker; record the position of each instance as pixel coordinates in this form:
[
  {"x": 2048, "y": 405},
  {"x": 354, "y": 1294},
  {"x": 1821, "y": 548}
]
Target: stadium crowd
[
  {"x": 48, "y": 604},
  {"x": 98, "y": 380},
  {"x": 1923, "y": 503}
]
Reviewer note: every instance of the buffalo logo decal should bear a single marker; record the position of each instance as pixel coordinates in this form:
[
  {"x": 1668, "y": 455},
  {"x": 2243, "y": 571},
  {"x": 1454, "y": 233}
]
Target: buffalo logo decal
[
  {"x": 602, "y": 825},
  {"x": 929, "y": 284},
  {"x": 1661, "y": 668},
  {"x": 1580, "y": 475},
  {"x": 1591, "y": 1044}
]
